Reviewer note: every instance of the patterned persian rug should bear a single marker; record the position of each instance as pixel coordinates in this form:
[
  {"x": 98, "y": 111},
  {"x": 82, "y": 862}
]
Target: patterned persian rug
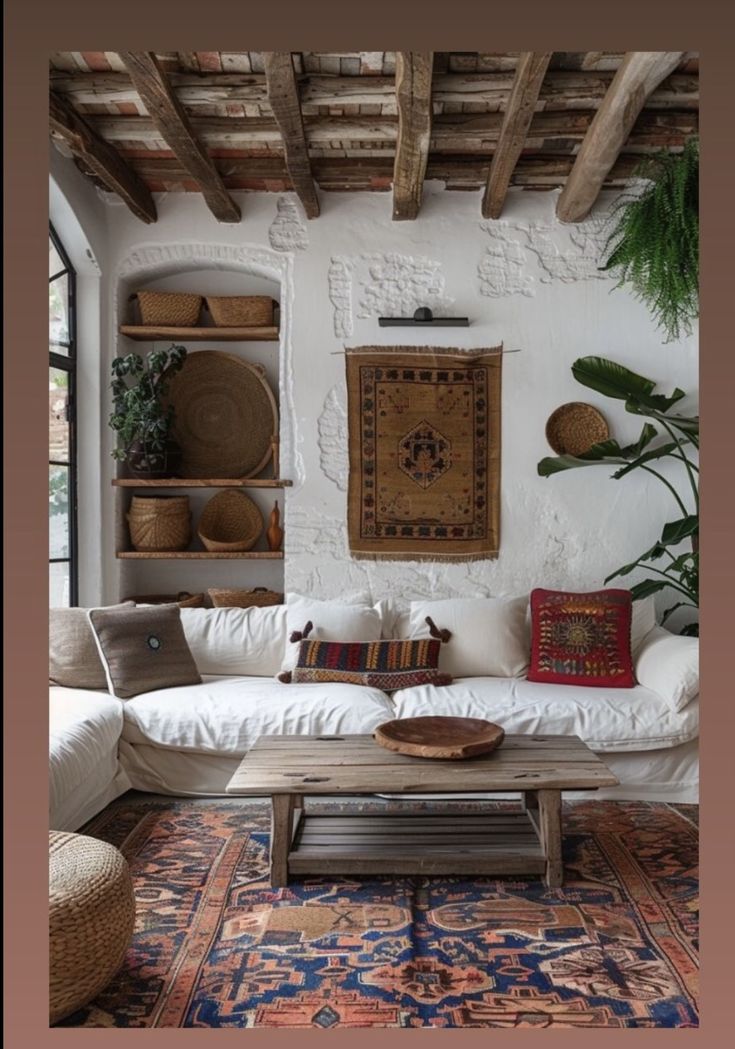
[{"x": 215, "y": 946}]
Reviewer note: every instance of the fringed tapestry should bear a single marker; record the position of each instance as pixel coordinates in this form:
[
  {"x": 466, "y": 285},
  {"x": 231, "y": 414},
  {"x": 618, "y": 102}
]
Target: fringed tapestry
[{"x": 424, "y": 443}]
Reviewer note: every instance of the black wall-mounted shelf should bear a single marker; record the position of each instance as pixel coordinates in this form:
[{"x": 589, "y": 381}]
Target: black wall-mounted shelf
[{"x": 423, "y": 318}]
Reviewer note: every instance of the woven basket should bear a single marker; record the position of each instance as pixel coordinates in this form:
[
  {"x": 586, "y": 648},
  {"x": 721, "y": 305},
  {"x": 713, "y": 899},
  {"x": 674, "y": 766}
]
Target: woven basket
[
  {"x": 230, "y": 522},
  {"x": 260, "y": 597},
  {"x": 241, "y": 311},
  {"x": 574, "y": 427},
  {"x": 170, "y": 308},
  {"x": 160, "y": 522},
  {"x": 91, "y": 919},
  {"x": 183, "y": 599}
]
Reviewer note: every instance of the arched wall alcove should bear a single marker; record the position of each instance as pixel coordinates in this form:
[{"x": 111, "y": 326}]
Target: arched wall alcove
[{"x": 208, "y": 269}]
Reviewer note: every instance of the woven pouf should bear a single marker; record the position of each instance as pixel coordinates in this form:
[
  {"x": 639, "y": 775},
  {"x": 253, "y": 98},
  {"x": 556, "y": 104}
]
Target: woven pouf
[{"x": 91, "y": 919}]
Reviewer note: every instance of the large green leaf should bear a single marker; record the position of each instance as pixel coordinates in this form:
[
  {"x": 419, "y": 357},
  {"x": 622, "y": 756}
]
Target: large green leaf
[
  {"x": 676, "y": 531},
  {"x": 614, "y": 380},
  {"x": 647, "y": 457},
  {"x": 647, "y": 587}
]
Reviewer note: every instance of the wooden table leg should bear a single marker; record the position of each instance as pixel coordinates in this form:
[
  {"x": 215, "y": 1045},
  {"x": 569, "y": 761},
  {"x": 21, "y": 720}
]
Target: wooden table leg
[
  {"x": 549, "y": 810},
  {"x": 282, "y": 810}
]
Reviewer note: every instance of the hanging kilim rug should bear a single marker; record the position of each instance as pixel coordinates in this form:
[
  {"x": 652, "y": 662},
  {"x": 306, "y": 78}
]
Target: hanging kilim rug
[
  {"x": 424, "y": 442},
  {"x": 216, "y": 946}
]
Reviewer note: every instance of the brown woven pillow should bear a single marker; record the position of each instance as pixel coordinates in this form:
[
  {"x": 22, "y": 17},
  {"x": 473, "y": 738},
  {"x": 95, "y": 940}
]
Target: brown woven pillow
[
  {"x": 73, "y": 659},
  {"x": 143, "y": 649}
]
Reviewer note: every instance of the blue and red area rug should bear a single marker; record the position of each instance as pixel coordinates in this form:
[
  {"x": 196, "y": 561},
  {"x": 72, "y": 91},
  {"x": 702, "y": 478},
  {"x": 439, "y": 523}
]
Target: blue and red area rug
[{"x": 215, "y": 946}]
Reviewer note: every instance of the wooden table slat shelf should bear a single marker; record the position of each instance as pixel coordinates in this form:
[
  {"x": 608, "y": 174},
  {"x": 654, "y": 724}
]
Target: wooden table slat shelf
[
  {"x": 155, "y": 332},
  {"x": 202, "y": 482}
]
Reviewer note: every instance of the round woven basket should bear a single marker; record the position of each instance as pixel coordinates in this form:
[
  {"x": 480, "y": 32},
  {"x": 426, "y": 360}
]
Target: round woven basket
[
  {"x": 240, "y": 311},
  {"x": 260, "y": 597},
  {"x": 170, "y": 308},
  {"x": 161, "y": 522},
  {"x": 230, "y": 522},
  {"x": 225, "y": 415},
  {"x": 91, "y": 919},
  {"x": 573, "y": 428}
]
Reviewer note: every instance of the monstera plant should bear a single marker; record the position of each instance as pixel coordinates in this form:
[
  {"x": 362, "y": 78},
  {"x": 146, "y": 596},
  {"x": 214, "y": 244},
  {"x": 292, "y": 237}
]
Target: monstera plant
[{"x": 668, "y": 435}]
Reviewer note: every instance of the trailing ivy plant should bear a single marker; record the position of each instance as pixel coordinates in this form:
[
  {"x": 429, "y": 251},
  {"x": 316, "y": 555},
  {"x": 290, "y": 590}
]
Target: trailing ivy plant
[
  {"x": 654, "y": 243},
  {"x": 139, "y": 417},
  {"x": 668, "y": 436}
]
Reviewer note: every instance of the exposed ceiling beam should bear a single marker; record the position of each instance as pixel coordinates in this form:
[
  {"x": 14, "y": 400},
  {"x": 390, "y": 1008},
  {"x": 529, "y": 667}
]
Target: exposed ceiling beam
[
  {"x": 519, "y": 110},
  {"x": 168, "y": 115},
  {"x": 283, "y": 96},
  {"x": 101, "y": 158},
  {"x": 413, "y": 100},
  {"x": 639, "y": 75}
]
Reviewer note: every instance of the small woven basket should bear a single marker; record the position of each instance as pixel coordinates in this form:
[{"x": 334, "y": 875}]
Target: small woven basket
[
  {"x": 183, "y": 599},
  {"x": 574, "y": 427},
  {"x": 170, "y": 308},
  {"x": 230, "y": 522},
  {"x": 160, "y": 522},
  {"x": 260, "y": 597},
  {"x": 241, "y": 311}
]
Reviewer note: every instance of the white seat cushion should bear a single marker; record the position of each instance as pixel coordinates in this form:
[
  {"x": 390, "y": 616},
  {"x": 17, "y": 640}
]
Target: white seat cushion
[
  {"x": 84, "y": 728},
  {"x": 605, "y": 718},
  {"x": 225, "y": 715}
]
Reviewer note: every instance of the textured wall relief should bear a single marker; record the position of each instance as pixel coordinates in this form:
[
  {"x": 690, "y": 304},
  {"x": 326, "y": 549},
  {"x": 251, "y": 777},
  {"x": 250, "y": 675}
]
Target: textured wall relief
[
  {"x": 311, "y": 531},
  {"x": 339, "y": 277},
  {"x": 332, "y": 427},
  {"x": 288, "y": 231},
  {"x": 569, "y": 253},
  {"x": 396, "y": 285},
  {"x": 503, "y": 268}
]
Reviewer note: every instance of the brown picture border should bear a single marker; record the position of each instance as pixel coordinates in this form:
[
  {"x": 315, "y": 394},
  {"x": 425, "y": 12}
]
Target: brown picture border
[{"x": 33, "y": 29}]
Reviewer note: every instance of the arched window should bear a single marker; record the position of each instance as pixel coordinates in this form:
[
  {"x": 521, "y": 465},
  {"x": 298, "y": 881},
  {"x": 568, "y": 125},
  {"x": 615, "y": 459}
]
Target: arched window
[{"x": 62, "y": 473}]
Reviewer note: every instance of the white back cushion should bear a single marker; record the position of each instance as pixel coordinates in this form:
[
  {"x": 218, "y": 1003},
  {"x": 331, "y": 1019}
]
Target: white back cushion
[
  {"x": 332, "y": 621},
  {"x": 490, "y": 635},
  {"x": 668, "y": 664},
  {"x": 236, "y": 641}
]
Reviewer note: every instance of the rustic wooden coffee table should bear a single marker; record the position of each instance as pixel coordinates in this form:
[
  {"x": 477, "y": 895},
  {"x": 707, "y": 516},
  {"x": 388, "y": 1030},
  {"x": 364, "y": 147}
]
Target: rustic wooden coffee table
[{"x": 527, "y": 841}]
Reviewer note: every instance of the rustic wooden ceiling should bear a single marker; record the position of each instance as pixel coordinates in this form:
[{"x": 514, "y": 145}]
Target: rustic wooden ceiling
[{"x": 212, "y": 122}]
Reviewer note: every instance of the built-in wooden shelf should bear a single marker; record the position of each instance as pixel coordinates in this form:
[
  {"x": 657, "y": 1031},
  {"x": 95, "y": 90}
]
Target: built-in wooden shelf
[
  {"x": 199, "y": 555},
  {"x": 206, "y": 482},
  {"x": 152, "y": 332}
]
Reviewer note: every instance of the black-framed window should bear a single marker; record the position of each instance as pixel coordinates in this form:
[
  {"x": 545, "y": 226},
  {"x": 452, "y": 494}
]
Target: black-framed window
[{"x": 62, "y": 470}]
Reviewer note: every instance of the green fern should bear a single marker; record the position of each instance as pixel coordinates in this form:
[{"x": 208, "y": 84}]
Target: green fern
[{"x": 654, "y": 245}]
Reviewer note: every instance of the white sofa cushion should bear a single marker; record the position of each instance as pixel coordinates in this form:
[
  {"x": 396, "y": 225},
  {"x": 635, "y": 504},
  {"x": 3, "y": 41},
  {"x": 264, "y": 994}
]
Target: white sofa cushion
[
  {"x": 668, "y": 664},
  {"x": 605, "y": 718},
  {"x": 489, "y": 634},
  {"x": 236, "y": 641},
  {"x": 332, "y": 621},
  {"x": 84, "y": 728},
  {"x": 225, "y": 715}
]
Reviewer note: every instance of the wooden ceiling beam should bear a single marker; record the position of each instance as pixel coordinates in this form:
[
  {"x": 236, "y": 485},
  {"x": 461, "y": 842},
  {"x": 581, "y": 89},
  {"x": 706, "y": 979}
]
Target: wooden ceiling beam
[
  {"x": 519, "y": 110},
  {"x": 413, "y": 100},
  {"x": 101, "y": 158},
  {"x": 283, "y": 96},
  {"x": 639, "y": 75},
  {"x": 168, "y": 115}
]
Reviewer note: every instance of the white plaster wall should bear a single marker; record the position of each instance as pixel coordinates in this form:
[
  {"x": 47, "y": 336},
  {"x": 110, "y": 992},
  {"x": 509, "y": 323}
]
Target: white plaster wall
[{"x": 525, "y": 281}]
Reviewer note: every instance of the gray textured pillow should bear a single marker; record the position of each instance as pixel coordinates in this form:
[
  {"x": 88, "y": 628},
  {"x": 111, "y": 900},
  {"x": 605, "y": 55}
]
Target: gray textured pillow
[
  {"x": 73, "y": 659},
  {"x": 143, "y": 648}
]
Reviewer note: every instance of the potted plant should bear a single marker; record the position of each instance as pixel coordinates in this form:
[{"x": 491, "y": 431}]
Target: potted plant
[
  {"x": 140, "y": 417},
  {"x": 654, "y": 243},
  {"x": 669, "y": 435}
]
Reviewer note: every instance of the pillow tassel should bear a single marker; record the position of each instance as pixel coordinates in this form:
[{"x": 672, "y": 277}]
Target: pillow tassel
[
  {"x": 441, "y": 635},
  {"x": 301, "y": 635}
]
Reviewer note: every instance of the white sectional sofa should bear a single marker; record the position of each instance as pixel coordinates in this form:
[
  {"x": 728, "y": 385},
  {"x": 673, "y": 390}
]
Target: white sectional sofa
[{"x": 189, "y": 740}]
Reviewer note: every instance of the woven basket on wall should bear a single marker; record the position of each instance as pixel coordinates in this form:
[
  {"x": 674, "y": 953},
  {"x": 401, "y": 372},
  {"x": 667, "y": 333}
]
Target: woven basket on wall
[
  {"x": 169, "y": 308},
  {"x": 91, "y": 919},
  {"x": 241, "y": 311},
  {"x": 160, "y": 522},
  {"x": 230, "y": 522},
  {"x": 183, "y": 599},
  {"x": 574, "y": 427},
  {"x": 260, "y": 597}
]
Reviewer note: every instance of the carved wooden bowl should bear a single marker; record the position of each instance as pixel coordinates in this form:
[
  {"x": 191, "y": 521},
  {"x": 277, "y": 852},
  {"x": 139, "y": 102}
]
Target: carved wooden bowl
[{"x": 440, "y": 737}]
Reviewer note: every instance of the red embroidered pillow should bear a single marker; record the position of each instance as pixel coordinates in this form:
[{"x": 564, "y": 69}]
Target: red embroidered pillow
[{"x": 581, "y": 639}]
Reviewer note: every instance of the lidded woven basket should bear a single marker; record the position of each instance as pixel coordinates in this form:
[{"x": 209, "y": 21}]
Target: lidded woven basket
[
  {"x": 161, "y": 522},
  {"x": 230, "y": 522},
  {"x": 241, "y": 311},
  {"x": 170, "y": 308}
]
